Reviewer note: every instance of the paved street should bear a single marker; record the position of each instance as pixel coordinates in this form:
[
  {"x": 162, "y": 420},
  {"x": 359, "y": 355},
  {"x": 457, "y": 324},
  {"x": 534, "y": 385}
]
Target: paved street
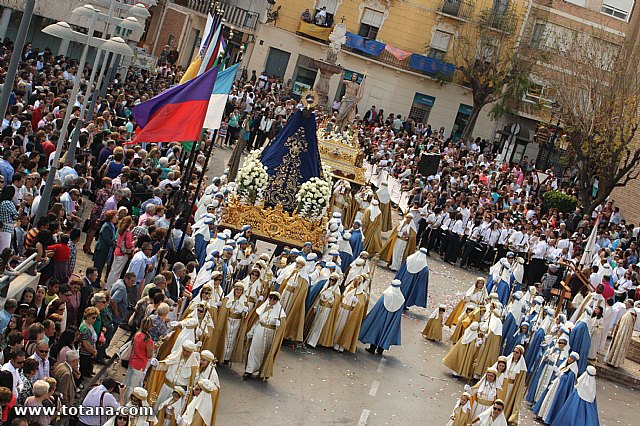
[{"x": 408, "y": 385}]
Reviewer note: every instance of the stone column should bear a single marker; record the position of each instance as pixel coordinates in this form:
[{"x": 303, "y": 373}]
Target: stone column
[{"x": 4, "y": 21}]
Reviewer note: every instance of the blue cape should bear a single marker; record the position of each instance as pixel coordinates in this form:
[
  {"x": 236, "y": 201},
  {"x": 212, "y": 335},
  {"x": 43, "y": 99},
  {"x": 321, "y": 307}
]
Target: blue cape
[
  {"x": 381, "y": 327},
  {"x": 415, "y": 287}
]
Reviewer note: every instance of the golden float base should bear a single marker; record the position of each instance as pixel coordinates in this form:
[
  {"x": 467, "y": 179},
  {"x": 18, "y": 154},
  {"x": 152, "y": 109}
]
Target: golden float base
[{"x": 273, "y": 224}]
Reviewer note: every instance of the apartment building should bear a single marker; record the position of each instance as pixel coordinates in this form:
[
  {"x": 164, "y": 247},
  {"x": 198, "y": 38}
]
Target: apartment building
[
  {"x": 552, "y": 27},
  {"x": 405, "y": 49}
]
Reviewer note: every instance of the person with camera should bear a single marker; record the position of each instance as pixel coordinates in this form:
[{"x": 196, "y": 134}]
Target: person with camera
[{"x": 102, "y": 396}]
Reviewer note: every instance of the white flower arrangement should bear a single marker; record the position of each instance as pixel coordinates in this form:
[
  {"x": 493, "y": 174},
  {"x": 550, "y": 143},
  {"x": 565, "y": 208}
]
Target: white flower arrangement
[
  {"x": 313, "y": 198},
  {"x": 327, "y": 174},
  {"x": 252, "y": 179}
]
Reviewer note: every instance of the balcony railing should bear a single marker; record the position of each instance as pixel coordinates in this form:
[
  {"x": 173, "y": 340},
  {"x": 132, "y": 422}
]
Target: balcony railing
[
  {"x": 236, "y": 16},
  {"x": 201, "y": 6},
  {"x": 241, "y": 18},
  {"x": 498, "y": 20},
  {"x": 461, "y": 9},
  {"x": 387, "y": 58}
]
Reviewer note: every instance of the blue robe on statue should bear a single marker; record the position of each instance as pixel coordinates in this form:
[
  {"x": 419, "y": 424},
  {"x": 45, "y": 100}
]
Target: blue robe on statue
[
  {"x": 415, "y": 286},
  {"x": 577, "y": 411},
  {"x": 580, "y": 341},
  {"x": 566, "y": 385},
  {"x": 381, "y": 327},
  {"x": 292, "y": 158},
  {"x": 356, "y": 243}
]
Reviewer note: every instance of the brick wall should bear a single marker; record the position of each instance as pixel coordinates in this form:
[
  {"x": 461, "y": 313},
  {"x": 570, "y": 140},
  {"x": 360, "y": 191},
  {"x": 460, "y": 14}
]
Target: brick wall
[
  {"x": 172, "y": 25},
  {"x": 628, "y": 199}
]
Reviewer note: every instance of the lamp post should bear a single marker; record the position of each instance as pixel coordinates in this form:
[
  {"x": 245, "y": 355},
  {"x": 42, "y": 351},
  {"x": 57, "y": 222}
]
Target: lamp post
[
  {"x": 63, "y": 30},
  {"x": 10, "y": 76}
]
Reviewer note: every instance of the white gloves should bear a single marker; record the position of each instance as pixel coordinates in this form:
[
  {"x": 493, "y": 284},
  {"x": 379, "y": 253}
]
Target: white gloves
[
  {"x": 199, "y": 333},
  {"x": 277, "y": 324},
  {"x": 172, "y": 324},
  {"x": 245, "y": 309},
  {"x": 260, "y": 299},
  {"x": 354, "y": 300},
  {"x": 155, "y": 362},
  {"x": 218, "y": 304},
  {"x": 467, "y": 388},
  {"x": 178, "y": 419}
]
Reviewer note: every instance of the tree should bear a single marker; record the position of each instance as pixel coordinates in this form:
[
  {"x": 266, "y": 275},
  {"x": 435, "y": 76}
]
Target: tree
[
  {"x": 597, "y": 92},
  {"x": 489, "y": 65}
]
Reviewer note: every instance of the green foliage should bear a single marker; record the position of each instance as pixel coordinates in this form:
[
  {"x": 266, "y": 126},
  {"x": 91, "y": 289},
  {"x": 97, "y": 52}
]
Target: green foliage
[{"x": 561, "y": 201}]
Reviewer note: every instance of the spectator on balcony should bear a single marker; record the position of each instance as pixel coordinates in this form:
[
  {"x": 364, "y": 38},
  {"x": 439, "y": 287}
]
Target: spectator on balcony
[
  {"x": 321, "y": 17},
  {"x": 306, "y": 16}
]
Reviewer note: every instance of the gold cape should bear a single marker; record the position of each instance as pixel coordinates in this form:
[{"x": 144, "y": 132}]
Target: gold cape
[
  {"x": 452, "y": 319},
  {"x": 461, "y": 418},
  {"x": 372, "y": 233},
  {"x": 387, "y": 250},
  {"x": 461, "y": 327},
  {"x": 220, "y": 340},
  {"x": 295, "y": 317},
  {"x": 329, "y": 329},
  {"x": 157, "y": 379},
  {"x": 460, "y": 358},
  {"x": 349, "y": 336},
  {"x": 266, "y": 369},
  {"x": 514, "y": 400},
  {"x": 433, "y": 329},
  {"x": 489, "y": 353},
  {"x": 387, "y": 223}
]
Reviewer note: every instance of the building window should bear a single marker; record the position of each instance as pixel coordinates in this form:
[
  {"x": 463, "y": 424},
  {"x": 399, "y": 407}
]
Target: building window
[
  {"x": 540, "y": 94},
  {"x": 330, "y": 10},
  {"x": 582, "y": 3},
  {"x": 620, "y": 9},
  {"x": 440, "y": 40},
  {"x": 370, "y": 23},
  {"x": 538, "y": 34}
]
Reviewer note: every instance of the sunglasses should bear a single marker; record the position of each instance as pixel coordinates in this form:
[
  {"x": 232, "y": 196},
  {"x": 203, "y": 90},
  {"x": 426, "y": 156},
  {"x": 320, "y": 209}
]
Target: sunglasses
[
  {"x": 93, "y": 317},
  {"x": 201, "y": 311},
  {"x": 273, "y": 298},
  {"x": 122, "y": 418},
  {"x": 43, "y": 352},
  {"x": 218, "y": 279},
  {"x": 498, "y": 409}
]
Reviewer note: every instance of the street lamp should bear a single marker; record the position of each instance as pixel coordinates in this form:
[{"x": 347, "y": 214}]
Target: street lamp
[
  {"x": 62, "y": 29},
  {"x": 139, "y": 11}
]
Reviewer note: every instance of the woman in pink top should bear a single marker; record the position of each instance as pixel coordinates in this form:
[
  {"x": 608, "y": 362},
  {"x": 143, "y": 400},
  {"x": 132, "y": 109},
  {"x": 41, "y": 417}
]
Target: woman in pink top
[
  {"x": 123, "y": 250},
  {"x": 141, "y": 354}
]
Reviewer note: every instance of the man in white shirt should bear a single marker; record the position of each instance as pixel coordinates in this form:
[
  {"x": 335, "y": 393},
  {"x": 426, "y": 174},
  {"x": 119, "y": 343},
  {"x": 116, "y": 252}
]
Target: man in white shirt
[
  {"x": 13, "y": 365},
  {"x": 101, "y": 396},
  {"x": 41, "y": 355}
]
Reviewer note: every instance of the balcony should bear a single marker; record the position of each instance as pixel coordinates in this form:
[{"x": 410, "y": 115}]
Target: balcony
[
  {"x": 458, "y": 9},
  {"x": 241, "y": 19},
  {"x": 235, "y": 16},
  {"x": 504, "y": 21},
  {"x": 314, "y": 32},
  {"x": 387, "y": 58}
]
